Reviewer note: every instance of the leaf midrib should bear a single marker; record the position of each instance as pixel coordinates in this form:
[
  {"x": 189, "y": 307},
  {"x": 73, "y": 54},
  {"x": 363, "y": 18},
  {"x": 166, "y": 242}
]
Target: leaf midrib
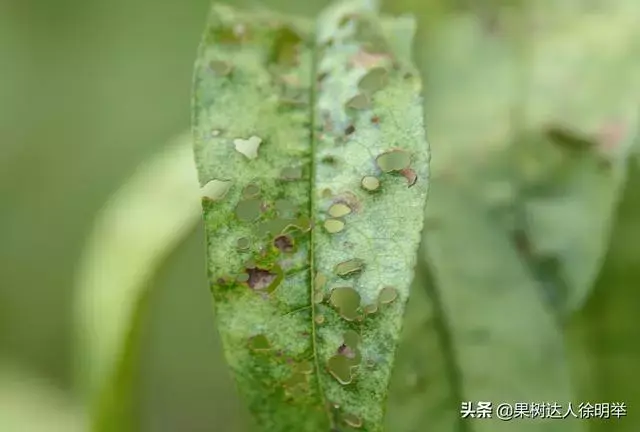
[{"x": 312, "y": 204}]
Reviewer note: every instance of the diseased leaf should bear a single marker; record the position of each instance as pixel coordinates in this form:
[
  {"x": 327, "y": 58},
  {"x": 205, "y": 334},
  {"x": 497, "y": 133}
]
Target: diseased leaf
[{"x": 324, "y": 364}]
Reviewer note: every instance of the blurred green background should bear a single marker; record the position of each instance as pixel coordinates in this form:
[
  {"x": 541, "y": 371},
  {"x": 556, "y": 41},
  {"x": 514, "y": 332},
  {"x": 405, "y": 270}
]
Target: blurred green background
[{"x": 88, "y": 90}]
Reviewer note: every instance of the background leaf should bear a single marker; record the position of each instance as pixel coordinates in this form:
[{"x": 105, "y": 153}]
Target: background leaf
[
  {"x": 30, "y": 403},
  {"x": 562, "y": 51},
  {"x": 515, "y": 207},
  {"x": 600, "y": 333},
  {"x": 141, "y": 224}
]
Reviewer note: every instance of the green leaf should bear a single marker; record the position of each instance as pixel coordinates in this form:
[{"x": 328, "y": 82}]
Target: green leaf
[
  {"x": 139, "y": 226},
  {"x": 567, "y": 83},
  {"x": 602, "y": 333},
  {"x": 494, "y": 313},
  {"x": 566, "y": 208},
  {"x": 494, "y": 299},
  {"x": 296, "y": 289},
  {"x": 425, "y": 383},
  {"x": 30, "y": 403}
]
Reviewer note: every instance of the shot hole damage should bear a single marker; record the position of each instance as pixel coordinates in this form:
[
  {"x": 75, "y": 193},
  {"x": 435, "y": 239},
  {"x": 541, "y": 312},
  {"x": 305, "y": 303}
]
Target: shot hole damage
[{"x": 248, "y": 147}]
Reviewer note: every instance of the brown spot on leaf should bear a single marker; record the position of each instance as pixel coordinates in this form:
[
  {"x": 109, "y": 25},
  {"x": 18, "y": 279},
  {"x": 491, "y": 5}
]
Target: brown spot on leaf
[
  {"x": 347, "y": 351},
  {"x": 262, "y": 279},
  {"x": 349, "y": 130},
  {"x": 284, "y": 243},
  {"x": 259, "y": 278},
  {"x": 410, "y": 175}
]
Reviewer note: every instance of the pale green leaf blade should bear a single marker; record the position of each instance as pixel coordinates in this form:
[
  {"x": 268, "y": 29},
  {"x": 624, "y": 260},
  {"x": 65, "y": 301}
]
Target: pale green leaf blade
[
  {"x": 425, "y": 385},
  {"x": 569, "y": 208},
  {"x": 31, "y": 403},
  {"x": 470, "y": 124},
  {"x": 604, "y": 332},
  {"x": 494, "y": 312},
  {"x": 139, "y": 226},
  {"x": 486, "y": 330},
  {"x": 590, "y": 59},
  {"x": 385, "y": 233},
  {"x": 314, "y": 141},
  {"x": 570, "y": 83},
  {"x": 585, "y": 66}
]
